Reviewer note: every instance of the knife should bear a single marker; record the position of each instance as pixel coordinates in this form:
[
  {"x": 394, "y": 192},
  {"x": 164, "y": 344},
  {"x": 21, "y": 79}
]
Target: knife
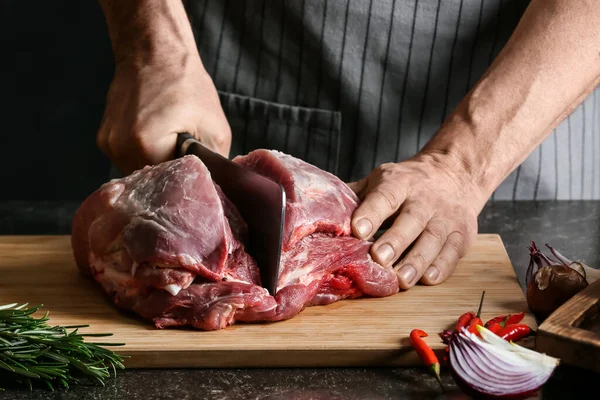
[{"x": 260, "y": 200}]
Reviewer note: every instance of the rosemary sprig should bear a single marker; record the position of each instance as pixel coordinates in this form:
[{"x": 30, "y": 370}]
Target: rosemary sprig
[{"x": 31, "y": 351}]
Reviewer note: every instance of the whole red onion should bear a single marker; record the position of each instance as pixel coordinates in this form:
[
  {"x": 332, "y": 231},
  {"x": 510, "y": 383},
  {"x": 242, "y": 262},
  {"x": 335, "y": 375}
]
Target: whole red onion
[{"x": 550, "y": 283}]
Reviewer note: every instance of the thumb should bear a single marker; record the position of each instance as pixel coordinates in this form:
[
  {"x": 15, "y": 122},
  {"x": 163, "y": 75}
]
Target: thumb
[{"x": 358, "y": 187}]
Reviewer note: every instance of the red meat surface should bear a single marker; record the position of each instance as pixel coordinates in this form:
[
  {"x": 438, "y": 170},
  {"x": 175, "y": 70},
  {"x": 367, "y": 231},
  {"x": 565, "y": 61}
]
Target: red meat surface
[
  {"x": 317, "y": 201},
  {"x": 167, "y": 244}
]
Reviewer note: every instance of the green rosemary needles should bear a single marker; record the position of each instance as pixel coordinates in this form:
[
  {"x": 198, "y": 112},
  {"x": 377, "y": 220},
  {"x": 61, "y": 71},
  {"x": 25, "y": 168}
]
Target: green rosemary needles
[{"x": 31, "y": 351}]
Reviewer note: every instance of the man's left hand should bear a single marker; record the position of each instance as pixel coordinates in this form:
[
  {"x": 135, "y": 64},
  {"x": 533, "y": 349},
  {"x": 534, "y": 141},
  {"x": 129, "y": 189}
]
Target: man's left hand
[{"x": 432, "y": 207}]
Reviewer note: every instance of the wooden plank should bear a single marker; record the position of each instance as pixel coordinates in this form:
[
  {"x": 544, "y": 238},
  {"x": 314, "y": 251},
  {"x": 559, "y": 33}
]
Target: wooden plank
[
  {"x": 572, "y": 332},
  {"x": 359, "y": 332}
]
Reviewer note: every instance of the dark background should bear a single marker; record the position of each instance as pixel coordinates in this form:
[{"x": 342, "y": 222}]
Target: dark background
[
  {"x": 55, "y": 67},
  {"x": 56, "y": 64}
]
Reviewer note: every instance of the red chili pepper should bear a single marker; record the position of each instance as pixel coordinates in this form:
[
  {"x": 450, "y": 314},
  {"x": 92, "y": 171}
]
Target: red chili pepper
[
  {"x": 495, "y": 320},
  {"x": 463, "y": 320},
  {"x": 495, "y": 327},
  {"x": 515, "y": 332},
  {"x": 505, "y": 320},
  {"x": 480, "y": 305},
  {"x": 476, "y": 320},
  {"x": 425, "y": 352},
  {"x": 473, "y": 325},
  {"x": 514, "y": 319}
]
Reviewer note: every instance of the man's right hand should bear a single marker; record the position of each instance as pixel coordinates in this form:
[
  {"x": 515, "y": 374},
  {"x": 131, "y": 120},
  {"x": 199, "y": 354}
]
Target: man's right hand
[
  {"x": 147, "y": 106},
  {"x": 160, "y": 87}
]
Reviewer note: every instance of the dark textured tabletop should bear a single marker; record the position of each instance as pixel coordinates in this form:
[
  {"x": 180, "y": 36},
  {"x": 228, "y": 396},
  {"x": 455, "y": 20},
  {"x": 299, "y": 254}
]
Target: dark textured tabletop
[{"x": 571, "y": 226}]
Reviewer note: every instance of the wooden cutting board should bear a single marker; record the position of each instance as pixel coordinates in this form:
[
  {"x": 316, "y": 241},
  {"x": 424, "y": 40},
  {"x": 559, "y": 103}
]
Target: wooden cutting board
[{"x": 359, "y": 332}]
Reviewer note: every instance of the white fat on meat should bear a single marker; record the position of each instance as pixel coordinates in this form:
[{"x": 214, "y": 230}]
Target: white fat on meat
[{"x": 173, "y": 289}]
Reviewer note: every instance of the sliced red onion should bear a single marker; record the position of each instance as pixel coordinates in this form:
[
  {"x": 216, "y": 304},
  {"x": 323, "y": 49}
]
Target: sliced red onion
[{"x": 496, "y": 368}]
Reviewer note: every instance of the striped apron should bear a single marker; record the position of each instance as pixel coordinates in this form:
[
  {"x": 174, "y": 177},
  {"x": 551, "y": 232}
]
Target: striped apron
[{"x": 350, "y": 84}]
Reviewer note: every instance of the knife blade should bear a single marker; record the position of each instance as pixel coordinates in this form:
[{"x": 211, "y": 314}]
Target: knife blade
[{"x": 260, "y": 200}]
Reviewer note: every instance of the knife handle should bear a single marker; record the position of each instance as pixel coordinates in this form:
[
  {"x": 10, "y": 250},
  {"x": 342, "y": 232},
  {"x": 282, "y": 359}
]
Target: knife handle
[{"x": 182, "y": 144}]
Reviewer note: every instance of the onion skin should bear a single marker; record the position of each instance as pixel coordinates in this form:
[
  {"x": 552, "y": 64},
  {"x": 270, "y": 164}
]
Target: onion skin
[
  {"x": 550, "y": 283},
  {"x": 551, "y": 287}
]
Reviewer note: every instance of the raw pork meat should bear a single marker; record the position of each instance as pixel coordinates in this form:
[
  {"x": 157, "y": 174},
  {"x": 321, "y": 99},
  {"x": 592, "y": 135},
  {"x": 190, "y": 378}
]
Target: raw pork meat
[
  {"x": 166, "y": 243},
  {"x": 316, "y": 200}
]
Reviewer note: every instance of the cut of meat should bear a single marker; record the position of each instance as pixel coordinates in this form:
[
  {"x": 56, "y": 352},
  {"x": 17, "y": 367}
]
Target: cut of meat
[
  {"x": 169, "y": 216},
  {"x": 322, "y": 269},
  {"x": 317, "y": 201},
  {"x": 207, "y": 306},
  {"x": 167, "y": 244}
]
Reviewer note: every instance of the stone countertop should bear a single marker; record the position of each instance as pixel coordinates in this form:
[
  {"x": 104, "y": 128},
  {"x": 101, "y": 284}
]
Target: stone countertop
[{"x": 573, "y": 227}]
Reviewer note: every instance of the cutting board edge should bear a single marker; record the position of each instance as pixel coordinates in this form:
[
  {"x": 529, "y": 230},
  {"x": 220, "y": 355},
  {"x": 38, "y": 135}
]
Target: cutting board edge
[
  {"x": 405, "y": 357},
  {"x": 307, "y": 358},
  {"x": 499, "y": 238}
]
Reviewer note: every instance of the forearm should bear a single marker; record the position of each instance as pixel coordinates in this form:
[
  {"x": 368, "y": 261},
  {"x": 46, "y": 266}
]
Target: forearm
[
  {"x": 149, "y": 31},
  {"x": 549, "y": 65}
]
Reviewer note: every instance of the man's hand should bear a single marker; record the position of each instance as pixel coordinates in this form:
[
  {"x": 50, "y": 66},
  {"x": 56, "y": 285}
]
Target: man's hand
[
  {"x": 160, "y": 87},
  {"x": 549, "y": 65},
  {"x": 146, "y": 108},
  {"x": 427, "y": 202}
]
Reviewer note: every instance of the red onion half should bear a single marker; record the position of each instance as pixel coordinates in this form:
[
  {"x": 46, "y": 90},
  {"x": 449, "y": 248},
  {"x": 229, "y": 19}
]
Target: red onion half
[{"x": 491, "y": 367}]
